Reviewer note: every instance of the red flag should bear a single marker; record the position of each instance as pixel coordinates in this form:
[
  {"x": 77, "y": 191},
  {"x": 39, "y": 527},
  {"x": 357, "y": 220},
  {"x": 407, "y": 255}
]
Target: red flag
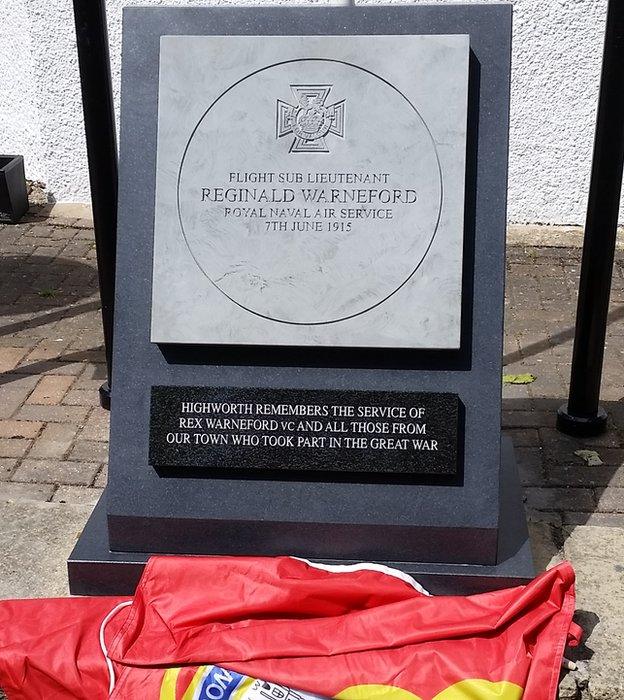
[
  {"x": 50, "y": 648},
  {"x": 352, "y": 635}
]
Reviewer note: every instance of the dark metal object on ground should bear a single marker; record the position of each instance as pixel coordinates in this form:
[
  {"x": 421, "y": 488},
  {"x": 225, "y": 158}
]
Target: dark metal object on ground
[
  {"x": 582, "y": 415},
  {"x": 13, "y": 193},
  {"x": 97, "y": 100},
  {"x": 105, "y": 395}
]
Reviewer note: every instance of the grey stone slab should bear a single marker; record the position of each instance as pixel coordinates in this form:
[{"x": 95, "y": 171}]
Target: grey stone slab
[
  {"x": 77, "y": 495},
  {"x": 35, "y": 540},
  {"x": 310, "y": 190},
  {"x": 597, "y": 554},
  {"x": 56, "y": 471},
  {"x": 18, "y": 491}
]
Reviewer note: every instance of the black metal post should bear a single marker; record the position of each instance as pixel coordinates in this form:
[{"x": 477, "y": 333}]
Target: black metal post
[
  {"x": 99, "y": 117},
  {"x": 582, "y": 415}
]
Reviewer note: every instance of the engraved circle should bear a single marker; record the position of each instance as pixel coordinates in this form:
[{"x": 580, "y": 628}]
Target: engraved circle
[{"x": 310, "y": 238}]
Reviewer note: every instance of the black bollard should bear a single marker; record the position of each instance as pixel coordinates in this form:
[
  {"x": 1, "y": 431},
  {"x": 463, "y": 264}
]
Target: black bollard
[
  {"x": 99, "y": 117},
  {"x": 582, "y": 415}
]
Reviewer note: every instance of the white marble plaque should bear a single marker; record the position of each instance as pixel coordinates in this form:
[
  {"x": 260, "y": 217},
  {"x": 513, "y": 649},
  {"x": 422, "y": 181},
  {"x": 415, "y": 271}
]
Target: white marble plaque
[{"x": 310, "y": 190}]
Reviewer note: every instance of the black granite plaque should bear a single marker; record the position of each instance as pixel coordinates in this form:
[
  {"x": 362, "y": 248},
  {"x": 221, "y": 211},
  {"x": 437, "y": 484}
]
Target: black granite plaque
[{"x": 285, "y": 429}]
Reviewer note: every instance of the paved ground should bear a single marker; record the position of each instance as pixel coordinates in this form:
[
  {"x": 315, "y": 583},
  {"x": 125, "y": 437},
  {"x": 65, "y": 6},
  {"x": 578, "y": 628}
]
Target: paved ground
[{"x": 53, "y": 435}]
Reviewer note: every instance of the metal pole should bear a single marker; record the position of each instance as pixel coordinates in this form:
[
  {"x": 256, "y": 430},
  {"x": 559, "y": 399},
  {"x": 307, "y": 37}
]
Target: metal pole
[
  {"x": 99, "y": 118},
  {"x": 582, "y": 415}
]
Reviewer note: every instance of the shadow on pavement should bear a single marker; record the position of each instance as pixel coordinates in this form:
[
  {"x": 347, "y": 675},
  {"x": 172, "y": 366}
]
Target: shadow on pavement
[
  {"x": 37, "y": 283},
  {"x": 44, "y": 290},
  {"x": 561, "y": 489},
  {"x": 559, "y": 338}
]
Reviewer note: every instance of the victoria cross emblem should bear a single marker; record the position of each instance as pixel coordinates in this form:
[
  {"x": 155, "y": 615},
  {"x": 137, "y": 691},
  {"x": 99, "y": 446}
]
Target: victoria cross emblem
[{"x": 310, "y": 120}]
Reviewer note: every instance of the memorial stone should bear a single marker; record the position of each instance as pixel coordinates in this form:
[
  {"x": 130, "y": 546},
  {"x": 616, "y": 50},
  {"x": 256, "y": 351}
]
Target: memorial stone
[{"x": 308, "y": 333}]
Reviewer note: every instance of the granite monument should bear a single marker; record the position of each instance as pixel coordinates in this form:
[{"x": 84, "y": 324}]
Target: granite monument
[{"x": 308, "y": 338}]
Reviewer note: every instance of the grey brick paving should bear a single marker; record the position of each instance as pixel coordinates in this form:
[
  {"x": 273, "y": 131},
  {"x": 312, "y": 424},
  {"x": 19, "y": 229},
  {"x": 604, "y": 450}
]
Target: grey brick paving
[
  {"x": 77, "y": 494},
  {"x": 14, "y": 491},
  {"x": 53, "y": 434},
  {"x": 50, "y": 471}
]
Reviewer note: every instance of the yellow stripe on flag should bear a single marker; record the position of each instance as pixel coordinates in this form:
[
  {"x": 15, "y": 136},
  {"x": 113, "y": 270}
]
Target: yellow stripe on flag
[
  {"x": 471, "y": 689},
  {"x": 197, "y": 679},
  {"x": 476, "y": 689},
  {"x": 239, "y": 693},
  {"x": 169, "y": 683}
]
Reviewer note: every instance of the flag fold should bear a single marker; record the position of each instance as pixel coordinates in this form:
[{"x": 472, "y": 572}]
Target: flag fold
[{"x": 252, "y": 628}]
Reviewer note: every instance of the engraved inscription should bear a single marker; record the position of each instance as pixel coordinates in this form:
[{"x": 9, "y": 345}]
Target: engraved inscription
[
  {"x": 308, "y": 245},
  {"x": 310, "y": 120},
  {"x": 298, "y": 430},
  {"x": 310, "y": 191}
]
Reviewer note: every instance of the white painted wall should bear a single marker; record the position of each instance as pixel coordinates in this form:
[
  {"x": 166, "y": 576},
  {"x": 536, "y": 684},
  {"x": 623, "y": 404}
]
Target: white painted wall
[
  {"x": 19, "y": 114},
  {"x": 556, "y": 68}
]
